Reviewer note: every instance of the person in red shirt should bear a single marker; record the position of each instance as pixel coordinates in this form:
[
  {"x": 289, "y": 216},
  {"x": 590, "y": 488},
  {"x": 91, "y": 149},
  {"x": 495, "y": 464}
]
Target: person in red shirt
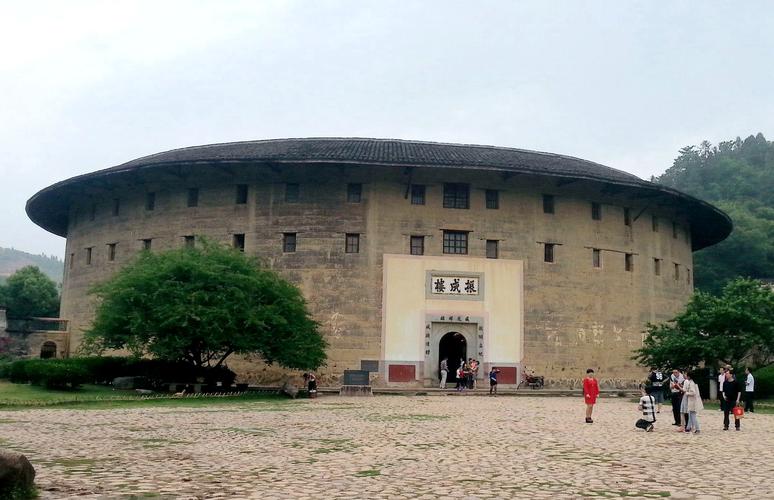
[{"x": 590, "y": 393}]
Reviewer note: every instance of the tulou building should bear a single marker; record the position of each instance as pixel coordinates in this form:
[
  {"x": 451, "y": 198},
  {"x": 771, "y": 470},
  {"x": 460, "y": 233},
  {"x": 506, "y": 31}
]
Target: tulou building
[{"x": 408, "y": 252}]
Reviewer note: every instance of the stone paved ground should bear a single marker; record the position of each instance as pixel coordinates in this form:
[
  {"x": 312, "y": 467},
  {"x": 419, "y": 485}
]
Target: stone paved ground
[{"x": 388, "y": 447}]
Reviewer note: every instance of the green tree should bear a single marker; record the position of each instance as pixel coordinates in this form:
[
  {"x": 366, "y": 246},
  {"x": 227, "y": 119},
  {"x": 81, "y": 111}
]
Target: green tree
[
  {"x": 735, "y": 327},
  {"x": 738, "y": 177},
  {"x": 30, "y": 293},
  {"x": 200, "y": 305}
]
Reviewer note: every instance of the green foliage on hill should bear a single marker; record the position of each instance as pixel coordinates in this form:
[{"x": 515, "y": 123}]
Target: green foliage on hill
[
  {"x": 30, "y": 293},
  {"x": 11, "y": 260},
  {"x": 738, "y": 177}
]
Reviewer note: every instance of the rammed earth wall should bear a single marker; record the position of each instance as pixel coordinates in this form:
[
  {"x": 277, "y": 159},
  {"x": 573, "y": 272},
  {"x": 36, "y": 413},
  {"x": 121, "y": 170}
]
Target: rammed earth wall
[{"x": 575, "y": 316}]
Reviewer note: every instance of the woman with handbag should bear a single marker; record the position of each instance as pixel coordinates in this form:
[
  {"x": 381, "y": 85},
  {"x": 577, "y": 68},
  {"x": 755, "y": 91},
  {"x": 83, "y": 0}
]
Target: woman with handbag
[{"x": 694, "y": 404}]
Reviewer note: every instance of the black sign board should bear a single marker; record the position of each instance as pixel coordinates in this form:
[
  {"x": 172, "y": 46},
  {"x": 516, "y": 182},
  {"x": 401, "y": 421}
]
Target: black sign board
[{"x": 356, "y": 377}]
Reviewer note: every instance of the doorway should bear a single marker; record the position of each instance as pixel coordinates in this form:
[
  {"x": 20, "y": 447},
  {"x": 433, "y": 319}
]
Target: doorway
[
  {"x": 48, "y": 350},
  {"x": 454, "y": 348}
]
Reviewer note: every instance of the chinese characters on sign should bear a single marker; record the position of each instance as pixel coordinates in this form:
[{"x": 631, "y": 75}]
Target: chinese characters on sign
[{"x": 454, "y": 285}]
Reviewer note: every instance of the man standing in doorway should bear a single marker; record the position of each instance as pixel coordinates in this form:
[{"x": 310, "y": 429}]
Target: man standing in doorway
[
  {"x": 675, "y": 385},
  {"x": 749, "y": 391},
  {"x": 444, "y": 372}
]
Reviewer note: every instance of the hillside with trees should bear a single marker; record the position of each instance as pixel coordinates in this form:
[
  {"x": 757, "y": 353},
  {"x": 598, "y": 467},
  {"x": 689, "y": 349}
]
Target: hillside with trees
[
  {"x": 11, "y": 260},
  {"x": 738, "y": 177}
]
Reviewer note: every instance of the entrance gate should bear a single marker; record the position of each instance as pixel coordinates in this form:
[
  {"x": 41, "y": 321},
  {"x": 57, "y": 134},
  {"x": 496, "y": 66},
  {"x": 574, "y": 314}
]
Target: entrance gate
[{"x": 454, "y": 348}]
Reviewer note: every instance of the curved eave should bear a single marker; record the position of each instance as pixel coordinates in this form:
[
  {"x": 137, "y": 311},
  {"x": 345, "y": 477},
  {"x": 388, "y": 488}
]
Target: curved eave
[{"x": 49, "y": 207}]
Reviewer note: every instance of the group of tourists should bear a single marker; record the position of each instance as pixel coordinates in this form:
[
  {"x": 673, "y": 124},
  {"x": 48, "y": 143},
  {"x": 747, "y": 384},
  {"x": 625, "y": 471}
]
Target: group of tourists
[
  {"x": 466, "y": 374},
  {"x": 686, "y": 399}
]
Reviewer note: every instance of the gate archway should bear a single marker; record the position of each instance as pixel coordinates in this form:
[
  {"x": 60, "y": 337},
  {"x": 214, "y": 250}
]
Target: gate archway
[
  {"x": 48, "y": 350},
  {"x": 454, "y": 348}
]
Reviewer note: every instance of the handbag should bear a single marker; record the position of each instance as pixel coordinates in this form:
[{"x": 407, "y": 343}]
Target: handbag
[{"x": 738, "y": 412}]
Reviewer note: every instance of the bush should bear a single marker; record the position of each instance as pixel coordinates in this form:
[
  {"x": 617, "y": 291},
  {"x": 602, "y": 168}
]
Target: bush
[
  {"x": 16, "y": 371},
  {"x": 56, "y": 373},
  {"x": 71, "y": 372},
  {"x": 764, "y": 382},
  {"x": 103, "y": 369}
]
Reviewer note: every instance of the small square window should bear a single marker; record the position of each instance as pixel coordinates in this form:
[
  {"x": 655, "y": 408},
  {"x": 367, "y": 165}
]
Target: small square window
[
  {"x": 548, "y": 252},
  {"x": 629, "y": 262},
  {"x": 417, "y": 246},
  {"x": 354, "y": 193},
  {"x": 677, "y": 271},
  {"x": 292, "y": 192},
  {"x": 456, "y": 195},
  {"x": 492, "y": 199},
  {"x": 596, "y": 257},
  {"x": 492, "y": 249},
  {"x": 627, "y": 217},
  {"x": 150, "y": 201},
  {"x": 116, "y": 207},
  {"x": 352, "y": 244},
  {"x": 111, "y": 252},
  {"x": 193, "y": 197},
  {"x": 654, "y": 224},
  {"x": 657, "y": 267},
  {"x": 455, "y": 242},
  {"x": 189, "y": 241},
  {"x": 146, "y": 243},
  {"x": 239, "y": 241},
  {"x": 241, "y": 194},
  {"x": 288, "y": 242},
  {"x": 417, "y": 194},
  {"x": 596, "y": 211},
  {"x": 88, "y": 256},
  {"x": 548, "y": 203}
]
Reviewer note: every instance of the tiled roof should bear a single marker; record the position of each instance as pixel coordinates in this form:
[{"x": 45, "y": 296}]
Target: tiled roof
[
  {"x": 385, "y": 152},
  {"x": 49, "y": 207}
]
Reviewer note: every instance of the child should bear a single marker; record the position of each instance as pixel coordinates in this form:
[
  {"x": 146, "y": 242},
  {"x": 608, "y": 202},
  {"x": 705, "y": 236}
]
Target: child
[
  {"x": 493, "y": 381},
  {"x": 647, "y": 406},
  {"x": 461, "y": 378},
  {"x": 590, "y": 393}
]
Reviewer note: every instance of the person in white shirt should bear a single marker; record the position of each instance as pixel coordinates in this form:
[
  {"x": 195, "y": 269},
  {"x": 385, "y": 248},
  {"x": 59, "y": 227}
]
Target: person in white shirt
[
  {"x": 675, "y": 384},
  {"x": 721, "y": 379},
  {"x": 647, "y": 406},
  {"x": 749, "y": 391}
]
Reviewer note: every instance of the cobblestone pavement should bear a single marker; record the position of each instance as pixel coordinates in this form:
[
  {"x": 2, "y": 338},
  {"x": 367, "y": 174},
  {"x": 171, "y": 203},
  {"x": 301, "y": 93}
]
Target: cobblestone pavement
[{"x": 389, "y": 447}]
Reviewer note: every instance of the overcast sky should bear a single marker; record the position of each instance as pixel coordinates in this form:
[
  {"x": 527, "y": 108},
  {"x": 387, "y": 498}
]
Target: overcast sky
[{"x": 89, "y": 85}]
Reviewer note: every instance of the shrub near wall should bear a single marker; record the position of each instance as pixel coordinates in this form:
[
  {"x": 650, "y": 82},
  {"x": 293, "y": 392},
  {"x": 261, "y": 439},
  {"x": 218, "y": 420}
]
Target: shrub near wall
[
  {"x": 764, "y": 382},
  {"x": 56, "y": 373},
  {"x": 72, "y": 372}
]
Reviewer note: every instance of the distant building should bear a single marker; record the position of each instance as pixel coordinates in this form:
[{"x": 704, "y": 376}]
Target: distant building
[{"x": 408, "y": 252}]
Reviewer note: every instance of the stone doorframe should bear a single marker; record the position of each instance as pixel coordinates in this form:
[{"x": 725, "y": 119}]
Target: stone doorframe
[{"x": 438, "y": 325}]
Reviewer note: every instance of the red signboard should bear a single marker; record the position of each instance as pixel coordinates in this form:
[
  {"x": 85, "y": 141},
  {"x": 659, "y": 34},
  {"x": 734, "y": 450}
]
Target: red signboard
[
  {"x": 402, "y": 373},
  {"x": 507, "y": 375}
]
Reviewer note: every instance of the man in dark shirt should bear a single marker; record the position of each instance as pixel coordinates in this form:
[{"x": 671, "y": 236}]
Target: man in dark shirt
[{"x": 731, "y": 396}]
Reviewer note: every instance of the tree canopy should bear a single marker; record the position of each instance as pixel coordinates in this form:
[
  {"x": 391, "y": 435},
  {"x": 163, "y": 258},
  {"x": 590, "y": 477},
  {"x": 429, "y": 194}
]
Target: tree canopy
[
  {"x": 738, "y": 177},
  {"x": 200, "y": 305},
  {"x": 30, "y": 293},
  {"x": 736, "y": 326}
]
